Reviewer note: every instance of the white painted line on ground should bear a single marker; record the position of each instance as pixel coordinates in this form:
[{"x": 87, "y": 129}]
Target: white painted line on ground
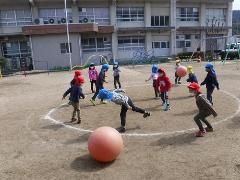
[{"x": 48, "y": 117}]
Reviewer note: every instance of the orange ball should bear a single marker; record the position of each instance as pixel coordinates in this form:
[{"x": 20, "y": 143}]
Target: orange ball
[
  {"x": 105, "y": 144},
  {"x": 181, "y": 71}
]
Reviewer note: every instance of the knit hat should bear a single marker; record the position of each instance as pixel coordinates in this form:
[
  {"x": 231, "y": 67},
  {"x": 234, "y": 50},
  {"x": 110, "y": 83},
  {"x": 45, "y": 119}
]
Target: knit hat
[
  {"x": 105, "y": 94},
  {"x": 92, "y": 64},
  {"x": 79, "y": 80},
  {"x": 105, "y": 67},
  {"x": 194, "y": 86},
  {"x": 154, "y": 68},
  {"x": 190, "y": 69},
  {"x": 77, "y": 73},
  {"x": 210, "y": 67}
]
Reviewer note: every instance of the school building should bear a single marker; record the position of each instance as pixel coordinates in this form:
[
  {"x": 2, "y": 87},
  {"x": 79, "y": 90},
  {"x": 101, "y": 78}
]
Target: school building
[{"x": 34, "y": 31}]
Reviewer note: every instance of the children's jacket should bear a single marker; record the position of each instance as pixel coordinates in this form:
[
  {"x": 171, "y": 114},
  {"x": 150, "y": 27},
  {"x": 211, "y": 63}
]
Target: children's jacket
[
  {"x": 101, "y": 79},
  {"x": 164, "y": 82},
  {"x": 211, "y": 81},
  {"x": 75, "y": 93},
  {"x": 204, "y": 106},
  {"x": 93, "y": 74},
  {"x": 119, "y": 99},
  {"x": 192, "y": 78},
  {"x": 116, "y": 71}
]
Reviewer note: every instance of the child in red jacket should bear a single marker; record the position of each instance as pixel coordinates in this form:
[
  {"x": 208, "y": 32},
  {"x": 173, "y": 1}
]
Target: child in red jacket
[{"x": 164, "y": 85}]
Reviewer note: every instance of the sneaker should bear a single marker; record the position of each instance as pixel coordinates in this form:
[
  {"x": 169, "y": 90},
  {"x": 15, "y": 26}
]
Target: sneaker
[
  {"x": 179, "y": 82},
  {"x": 93, "y": 102},
  {"x": 103, "y": 102},
  {"x": 200, "y": 134},
  {"x": 167, "y": 107},
  {"x": 146, "y": 114},
  {"x": 79, "y": 121},
  {"x": 207, "y": 129},
  {"x": 121, "y": 129},
  {"x": 73, "y": 119},
  {"x": 69, "y": 103}
]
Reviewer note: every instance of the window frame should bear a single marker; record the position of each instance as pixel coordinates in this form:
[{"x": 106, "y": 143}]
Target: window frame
[
  {"x": 188, "y": 14},
  {"x": 127, "y": 43},
  {"x": 64, "y": 48},
  {"x": 156, "y": 21},
  {"x": 130, "y": 14}
]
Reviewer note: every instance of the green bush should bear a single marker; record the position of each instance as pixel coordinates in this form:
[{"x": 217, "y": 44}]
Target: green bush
[
  {"x": 188, "y": 55},
  {"x": 60, "y": 68},
  {"x": 231, "y": 55},
  {"x": 3, "y": 62}
]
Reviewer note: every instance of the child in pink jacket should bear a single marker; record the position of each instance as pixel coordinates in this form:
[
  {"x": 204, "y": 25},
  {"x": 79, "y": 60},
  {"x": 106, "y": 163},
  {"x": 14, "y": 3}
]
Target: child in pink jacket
[{"x": 93, "y": 74}]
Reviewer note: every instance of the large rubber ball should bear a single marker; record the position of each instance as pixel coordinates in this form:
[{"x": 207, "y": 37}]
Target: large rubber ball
[
  {"x": 105, "y": 144},
  {"x": 181, "y": 71}
]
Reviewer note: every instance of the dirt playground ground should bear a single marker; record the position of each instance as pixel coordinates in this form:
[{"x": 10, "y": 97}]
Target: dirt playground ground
[{"x": 36, "y": 144}]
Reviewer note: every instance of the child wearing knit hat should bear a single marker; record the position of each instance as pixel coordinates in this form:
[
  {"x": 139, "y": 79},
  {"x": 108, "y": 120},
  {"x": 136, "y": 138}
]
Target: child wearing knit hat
[{"x": 205, "y": 109}]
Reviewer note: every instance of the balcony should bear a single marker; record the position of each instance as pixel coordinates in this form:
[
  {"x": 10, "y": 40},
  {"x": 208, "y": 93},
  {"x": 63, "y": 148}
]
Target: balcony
[{"x": 61, "y": 28}]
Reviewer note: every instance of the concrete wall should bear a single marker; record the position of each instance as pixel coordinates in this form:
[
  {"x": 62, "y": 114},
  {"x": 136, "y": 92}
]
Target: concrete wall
[{"x": 47, "y": 48}]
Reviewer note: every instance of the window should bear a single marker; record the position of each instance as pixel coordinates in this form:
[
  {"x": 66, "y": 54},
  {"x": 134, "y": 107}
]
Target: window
[
  {"x": 96, "y": 15},
  {"x": 65, "y": 48},
  {"x": 130, "y": 43},
  {"x": 188, "y": 14},
  {"x": 15, "y": 17},
  {"x": 160, "y": 44},
  {"x": 217, "y": 14},
  {"x": 56, "y": 14},
  {"x": 130, "y": 14},
  {"x": 96, "y": 44},
  {"x": 16, "y": 49},
  {"x": 185, "y": 41},
  {"x": 159, "y": 20}
]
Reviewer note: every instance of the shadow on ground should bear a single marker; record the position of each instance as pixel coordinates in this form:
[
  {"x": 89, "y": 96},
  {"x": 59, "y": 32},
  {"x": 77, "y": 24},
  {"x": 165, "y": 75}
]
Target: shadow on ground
[
  {"x": 54, "y": 127},
  {"x": 178, "y": 140},
  {"x": 234, "y": 123},
  {"x": 79, "y": 140},
  {"x": 85, "y": 163}
]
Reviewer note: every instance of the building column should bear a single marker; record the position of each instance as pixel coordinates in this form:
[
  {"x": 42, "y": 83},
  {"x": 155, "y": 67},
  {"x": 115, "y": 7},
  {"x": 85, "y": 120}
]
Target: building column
[
  {"x": 173, "y": 9},
  {"x": 203, "y": 41},
  {"x": 35, "y": 13},
  {"x": 148, "y": 41},
  {"x": 113, "y": 21},
  {"x": 113, "y": 11},
  {"x": 173, "y": 42},
  {"x": 173, "y": 23},
  {"x": 114, "y": 45},
  {"x": 203, "y": 15},
  {"x": 229, "y": 18},
  {"x": 147, "y": 14},
  {"x": 75, "y": 13}
]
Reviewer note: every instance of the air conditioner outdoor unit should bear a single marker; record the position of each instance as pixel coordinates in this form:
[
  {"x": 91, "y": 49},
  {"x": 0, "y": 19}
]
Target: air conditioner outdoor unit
[{"x": 51, "y": 21}]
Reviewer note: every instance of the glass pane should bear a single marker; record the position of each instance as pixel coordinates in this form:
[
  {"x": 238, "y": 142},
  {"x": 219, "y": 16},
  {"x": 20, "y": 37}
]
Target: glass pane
[
  {"x": 100, "y": 43},
  {"x": 161, "y": 20},
  {"x": 157, "y": 21},
  {"x": 156, "y": 45},
  {"x": 166, "y": 21},
  {"x": 163, "y": 45},
  {"x": 152, "y": 21}
]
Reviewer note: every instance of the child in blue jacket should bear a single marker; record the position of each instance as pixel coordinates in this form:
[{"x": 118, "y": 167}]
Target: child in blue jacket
[
  {"x": 210, "y": 81},
  {"x": 75, "y": 94},
  {"x": 191, "y": 75}
]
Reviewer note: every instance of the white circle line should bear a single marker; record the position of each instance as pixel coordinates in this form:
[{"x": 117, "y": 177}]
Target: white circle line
[{"x": 48, "y": 117}]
